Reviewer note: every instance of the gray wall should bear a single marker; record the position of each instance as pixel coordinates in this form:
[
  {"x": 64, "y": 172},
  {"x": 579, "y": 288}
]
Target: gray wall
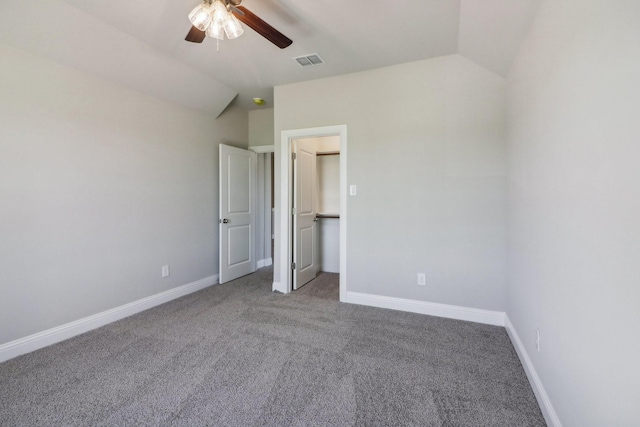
[
  {"x": 261, "y": 127},
  {"x": 574, "y": 207},
  {"x": 263, "y": 215},
  {"x": 426, "y": 149},
  {"x": 100, "y": 187}
]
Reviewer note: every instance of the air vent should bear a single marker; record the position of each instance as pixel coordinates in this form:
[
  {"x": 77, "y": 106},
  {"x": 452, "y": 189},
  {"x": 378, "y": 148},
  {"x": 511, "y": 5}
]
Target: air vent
[{"x": 309, "y": 60}]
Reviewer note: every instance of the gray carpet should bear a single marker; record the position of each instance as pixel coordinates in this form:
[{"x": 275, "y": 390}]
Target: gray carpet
[{"x": 240, "y": 355}]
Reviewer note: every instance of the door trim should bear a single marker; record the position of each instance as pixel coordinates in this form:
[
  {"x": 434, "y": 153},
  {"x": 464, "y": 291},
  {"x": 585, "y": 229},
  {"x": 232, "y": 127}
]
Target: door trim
[{"x": 282, "y": 252}]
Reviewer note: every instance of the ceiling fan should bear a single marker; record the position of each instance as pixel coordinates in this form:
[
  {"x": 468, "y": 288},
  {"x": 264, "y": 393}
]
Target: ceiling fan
[{"x": 217, "y": 18}]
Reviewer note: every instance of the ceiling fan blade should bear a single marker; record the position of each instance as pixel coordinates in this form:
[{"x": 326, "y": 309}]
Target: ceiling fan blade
[
  {"x": 261, "y": 27},
  {"x": 195, "y": 35}
]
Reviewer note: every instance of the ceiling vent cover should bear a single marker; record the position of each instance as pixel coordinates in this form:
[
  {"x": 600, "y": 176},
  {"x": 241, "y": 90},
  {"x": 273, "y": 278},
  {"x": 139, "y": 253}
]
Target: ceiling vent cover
[{"x": 309, "y": 60}]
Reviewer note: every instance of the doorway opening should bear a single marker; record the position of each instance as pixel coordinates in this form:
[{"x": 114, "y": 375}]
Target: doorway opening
[
  {"x": 316, "y": 209},
  {"x": 265, "y": 204},
  {"x": 285, "y": 203}
]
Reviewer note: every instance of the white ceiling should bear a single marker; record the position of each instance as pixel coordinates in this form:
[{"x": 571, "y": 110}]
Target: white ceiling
[{"x": 140, "y": 43}]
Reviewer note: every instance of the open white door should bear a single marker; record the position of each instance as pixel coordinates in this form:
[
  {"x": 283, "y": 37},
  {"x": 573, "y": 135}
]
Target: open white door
[
  {"x": 237, "y": 212},
  {"x": 305, "y": 249}
]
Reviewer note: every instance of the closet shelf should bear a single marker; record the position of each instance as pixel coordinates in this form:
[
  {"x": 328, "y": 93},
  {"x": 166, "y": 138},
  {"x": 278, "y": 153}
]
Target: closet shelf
[{"x": 327, "y": 215}]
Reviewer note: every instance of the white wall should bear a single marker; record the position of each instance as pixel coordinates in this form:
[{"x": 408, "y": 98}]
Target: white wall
[
  {"x": 328, "y": 171},
  {"x": 100, "y": 186},
  {"x": 329, "y": 241},
  {"x": 426, "y": 149},
  {"x": 574, "y": 207},
  {"x": 328, "y": 182}
]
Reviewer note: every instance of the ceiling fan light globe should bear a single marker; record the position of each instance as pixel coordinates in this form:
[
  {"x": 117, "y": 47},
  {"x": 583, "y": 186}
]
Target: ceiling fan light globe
[
  {"x": 232, "y": 27},
  {"x": 201, "y": 17},
  {"x": 218, "y": 11},
  {"x": 215, "y": 30}
]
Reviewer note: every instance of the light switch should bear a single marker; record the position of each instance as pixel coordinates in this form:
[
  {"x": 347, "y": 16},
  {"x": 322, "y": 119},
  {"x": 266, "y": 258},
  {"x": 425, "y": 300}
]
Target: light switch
[{"x": 352, "y": 190}]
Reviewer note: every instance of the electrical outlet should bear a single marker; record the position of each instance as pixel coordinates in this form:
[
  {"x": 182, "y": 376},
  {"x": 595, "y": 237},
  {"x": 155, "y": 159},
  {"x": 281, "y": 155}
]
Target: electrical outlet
[
  {"x": 165, "y": 271},
  {"x": 537, "y": 339},
  {"x": 422, "y": 279}
]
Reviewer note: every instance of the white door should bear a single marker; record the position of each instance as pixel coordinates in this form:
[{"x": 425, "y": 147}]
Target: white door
[
  {"x": 304, "y": 219},
  {"x": 237, "y": 212}
]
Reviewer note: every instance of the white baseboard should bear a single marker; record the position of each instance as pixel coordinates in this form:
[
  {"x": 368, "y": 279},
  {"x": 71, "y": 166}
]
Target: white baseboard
[
  {"x": 264, "y": 263},
  {"x": 546, "y": 407},
  {"x": 433, "y": 309},
  {"x": 278, "y": 287},
  {"x": 60, "y": 333}
]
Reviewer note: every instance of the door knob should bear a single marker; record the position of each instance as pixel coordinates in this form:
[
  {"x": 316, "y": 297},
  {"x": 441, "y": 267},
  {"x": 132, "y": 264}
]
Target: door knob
[
  {"x": 315, "y": 219},
  {"x": 225, "y": 221}
]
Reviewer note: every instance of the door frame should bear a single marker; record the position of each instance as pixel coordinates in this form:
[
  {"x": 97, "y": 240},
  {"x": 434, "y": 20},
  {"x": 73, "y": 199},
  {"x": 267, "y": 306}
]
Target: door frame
[{"x": 284, "y": 204}]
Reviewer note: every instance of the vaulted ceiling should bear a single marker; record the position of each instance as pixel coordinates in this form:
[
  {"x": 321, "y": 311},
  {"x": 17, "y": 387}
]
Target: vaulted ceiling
[{"x": 140, "y": 44}]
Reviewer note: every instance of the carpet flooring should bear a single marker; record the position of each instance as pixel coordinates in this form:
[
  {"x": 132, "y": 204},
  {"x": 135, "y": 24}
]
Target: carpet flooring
[{"x": 239, "y": 355}]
